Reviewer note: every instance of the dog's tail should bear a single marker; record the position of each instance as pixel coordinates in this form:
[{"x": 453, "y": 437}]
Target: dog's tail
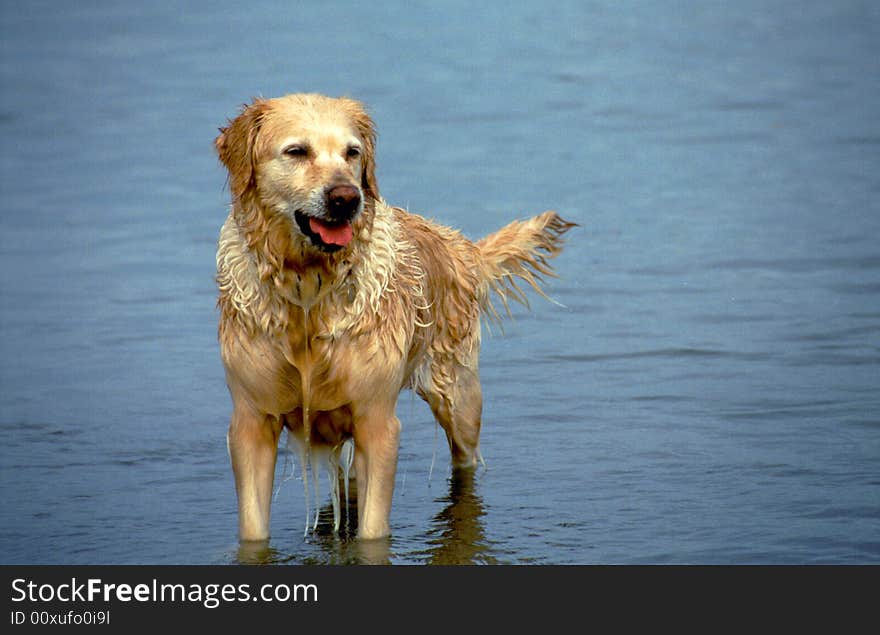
[{"x": 520, "y": 250}]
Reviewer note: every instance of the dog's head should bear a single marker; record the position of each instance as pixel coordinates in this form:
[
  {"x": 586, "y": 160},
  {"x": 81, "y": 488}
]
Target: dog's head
[{"x": 307, "y": 158}]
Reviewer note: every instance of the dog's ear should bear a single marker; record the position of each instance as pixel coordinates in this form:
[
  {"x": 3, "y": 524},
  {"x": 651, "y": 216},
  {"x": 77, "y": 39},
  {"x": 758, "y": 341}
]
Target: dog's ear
[
  {"x": 367, "y": 132},
  {"x": 235, "y": 146}
]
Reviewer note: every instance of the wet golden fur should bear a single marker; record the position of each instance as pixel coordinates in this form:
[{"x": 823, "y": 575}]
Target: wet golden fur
[{"x": 341, "y": 334}]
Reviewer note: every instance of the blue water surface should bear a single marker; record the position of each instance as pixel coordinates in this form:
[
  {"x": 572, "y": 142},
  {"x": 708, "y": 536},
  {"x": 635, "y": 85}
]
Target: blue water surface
[{"x": 708, "y": 392}]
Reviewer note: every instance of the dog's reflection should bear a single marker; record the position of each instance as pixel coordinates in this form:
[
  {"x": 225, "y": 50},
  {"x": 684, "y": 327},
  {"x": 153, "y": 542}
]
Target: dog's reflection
[
  {"x": 457, "y": 536},
  {"x": 258, "y": 552},
  {"x": 340, "y": 547},
  {"x": 335, "y": 549}
]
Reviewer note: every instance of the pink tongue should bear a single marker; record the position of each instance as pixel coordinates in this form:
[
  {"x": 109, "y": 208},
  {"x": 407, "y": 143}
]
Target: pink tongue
[{"x": 339, "y": 234}]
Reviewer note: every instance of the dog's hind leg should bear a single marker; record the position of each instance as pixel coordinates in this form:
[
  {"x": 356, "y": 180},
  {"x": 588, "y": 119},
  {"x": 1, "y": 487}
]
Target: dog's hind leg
[
  {"x": 458, "y": 409},
  {"x": 253, "y": 449}
]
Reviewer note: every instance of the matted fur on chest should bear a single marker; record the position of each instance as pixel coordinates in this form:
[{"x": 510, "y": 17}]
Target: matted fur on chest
[{"x": 270, "y": 369}]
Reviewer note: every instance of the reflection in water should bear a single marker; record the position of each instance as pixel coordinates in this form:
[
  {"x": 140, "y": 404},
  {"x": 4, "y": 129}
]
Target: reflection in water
[
  {"x": 458, "y": 536},
  {"x": 345, "y": 548},
  {"x": 342, "y": 548},
  {"x": 259, "y": 552}
]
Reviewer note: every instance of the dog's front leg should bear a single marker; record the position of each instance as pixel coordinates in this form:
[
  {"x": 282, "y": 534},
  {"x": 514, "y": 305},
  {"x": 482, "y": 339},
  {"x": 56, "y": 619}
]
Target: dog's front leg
[
  {"x": 253, "y": 447},
  {"x": 376, "y": 440}
]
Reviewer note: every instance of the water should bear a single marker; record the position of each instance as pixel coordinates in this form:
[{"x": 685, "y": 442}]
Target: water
[{"x": 709, "y": 393}]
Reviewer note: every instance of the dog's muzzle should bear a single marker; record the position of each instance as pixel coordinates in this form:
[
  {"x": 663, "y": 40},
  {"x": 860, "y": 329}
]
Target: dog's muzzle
[
  {"x": 343, "y": 202},
  {"x": 332, "y": 231}
]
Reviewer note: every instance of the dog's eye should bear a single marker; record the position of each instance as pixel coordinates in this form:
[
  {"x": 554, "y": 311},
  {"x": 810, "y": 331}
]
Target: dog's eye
[
  {"x": 296, "y": 151},
  {"x": 352, "y": 152}
]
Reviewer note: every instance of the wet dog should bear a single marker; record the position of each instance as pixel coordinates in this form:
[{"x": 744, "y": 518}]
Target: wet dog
[{"x": 332, "y": 301}]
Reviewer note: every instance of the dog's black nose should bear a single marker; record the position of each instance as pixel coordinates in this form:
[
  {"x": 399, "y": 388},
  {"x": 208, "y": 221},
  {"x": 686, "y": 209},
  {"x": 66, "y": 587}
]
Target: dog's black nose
[{"x": 343, "y": 201}]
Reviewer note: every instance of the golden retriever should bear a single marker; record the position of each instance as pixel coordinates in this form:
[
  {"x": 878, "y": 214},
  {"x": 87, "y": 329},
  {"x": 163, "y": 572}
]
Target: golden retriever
[{"x": 331, "y": 302}]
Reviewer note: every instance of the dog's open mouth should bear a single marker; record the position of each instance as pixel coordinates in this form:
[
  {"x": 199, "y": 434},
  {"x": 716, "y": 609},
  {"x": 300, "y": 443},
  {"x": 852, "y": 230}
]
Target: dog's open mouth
[{"x": 329, "y": 236}]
